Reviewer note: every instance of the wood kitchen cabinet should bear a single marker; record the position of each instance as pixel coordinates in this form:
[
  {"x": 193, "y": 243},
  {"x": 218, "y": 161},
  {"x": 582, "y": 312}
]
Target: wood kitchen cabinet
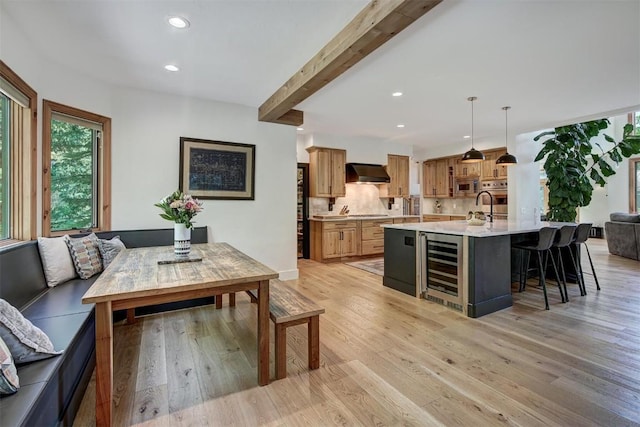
[
  {"x": 398, "y": 170},
  {"x": 490, "y": 170},
  {"x": 467, "y": 170},
  {"x": 372, "y": 236},
  {"x": 438, "y": 218},
  {"x": 327, "y": 172},
  {"x": 333, "y": 239},
  {"x": 437, "y": 179}
]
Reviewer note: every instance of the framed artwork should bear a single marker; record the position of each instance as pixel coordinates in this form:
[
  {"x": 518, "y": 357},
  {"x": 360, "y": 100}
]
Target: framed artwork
[{"x": 217, "y": 169}]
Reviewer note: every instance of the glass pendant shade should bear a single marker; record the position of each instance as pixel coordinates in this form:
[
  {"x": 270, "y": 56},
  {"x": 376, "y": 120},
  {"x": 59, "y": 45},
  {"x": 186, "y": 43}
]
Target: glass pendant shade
[
  {"x": 473, "y": 155},
  {"x": 506, "y": 158}
]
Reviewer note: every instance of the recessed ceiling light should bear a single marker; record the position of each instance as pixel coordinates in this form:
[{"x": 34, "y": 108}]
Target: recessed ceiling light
[
  {"x": 467, "y": 136},
  {"x": 171, "y": 67},
  {"x": 396, "y": 94},
  {"x": 299, "y": 128},
  {"x": 400, "y": 126},
  {"x": 178, "y": 22}
]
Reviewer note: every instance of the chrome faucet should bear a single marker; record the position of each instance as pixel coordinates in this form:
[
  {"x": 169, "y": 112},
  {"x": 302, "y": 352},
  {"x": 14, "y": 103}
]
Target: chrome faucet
[{"x": 490, "y": 198}]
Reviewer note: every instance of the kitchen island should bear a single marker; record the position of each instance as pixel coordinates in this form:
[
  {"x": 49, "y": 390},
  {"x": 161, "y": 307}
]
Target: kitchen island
[{"x": 465, "y": 267}]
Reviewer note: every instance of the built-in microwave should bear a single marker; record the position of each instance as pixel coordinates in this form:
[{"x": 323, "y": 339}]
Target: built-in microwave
[{"x": 467, "y": 187}]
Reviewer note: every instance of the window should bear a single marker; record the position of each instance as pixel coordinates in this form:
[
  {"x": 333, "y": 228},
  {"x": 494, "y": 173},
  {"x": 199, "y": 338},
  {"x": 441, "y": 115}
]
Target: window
[
  {"x": 4, "y": 167},
  {"x": 17, "y": 157},
  {"x": 76, "y": 180},
  {"x": 634, "y": 184},
  {"x": 634, "y": 169}
]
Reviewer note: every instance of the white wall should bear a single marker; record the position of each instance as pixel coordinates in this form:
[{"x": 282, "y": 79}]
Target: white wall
[
  {"x": 146, "y": 128},
  {"x": 614, "y": 196}
]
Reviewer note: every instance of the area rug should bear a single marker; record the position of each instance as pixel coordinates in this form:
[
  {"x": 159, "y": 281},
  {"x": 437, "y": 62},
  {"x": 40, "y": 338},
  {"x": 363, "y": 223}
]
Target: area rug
[{"x": 373, "y": 265}]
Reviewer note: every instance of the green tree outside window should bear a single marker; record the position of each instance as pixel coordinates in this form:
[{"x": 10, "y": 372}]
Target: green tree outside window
[{"x": 72, "y": 176}]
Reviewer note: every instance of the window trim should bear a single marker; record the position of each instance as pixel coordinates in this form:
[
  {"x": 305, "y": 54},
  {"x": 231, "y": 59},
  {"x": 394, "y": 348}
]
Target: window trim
[
  {"x": 104, "y": 202},
  {"x": 632, "y": 184},
  {"x": 10, "y": 76}
]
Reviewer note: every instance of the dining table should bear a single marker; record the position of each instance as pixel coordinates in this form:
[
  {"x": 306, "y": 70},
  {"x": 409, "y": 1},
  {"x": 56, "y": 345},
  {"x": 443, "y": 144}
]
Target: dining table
[{"x": 154, "y": 275}]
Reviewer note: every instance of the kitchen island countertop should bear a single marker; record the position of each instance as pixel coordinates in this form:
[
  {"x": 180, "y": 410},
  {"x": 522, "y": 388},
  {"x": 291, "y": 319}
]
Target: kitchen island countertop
[{"x": 461, "y": 228}]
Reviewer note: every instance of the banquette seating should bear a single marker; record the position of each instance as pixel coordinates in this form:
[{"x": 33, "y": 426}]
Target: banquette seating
[{"x": 51, "y": 389}]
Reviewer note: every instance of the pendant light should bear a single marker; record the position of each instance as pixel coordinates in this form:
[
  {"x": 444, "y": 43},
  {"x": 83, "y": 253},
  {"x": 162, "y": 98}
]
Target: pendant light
[
  {"x": 473, "y": 155},
  {"x": 506, "y": 158}
]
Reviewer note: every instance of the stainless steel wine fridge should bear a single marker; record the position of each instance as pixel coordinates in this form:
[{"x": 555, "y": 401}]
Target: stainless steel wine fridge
[{"x": 441, "y": 269}]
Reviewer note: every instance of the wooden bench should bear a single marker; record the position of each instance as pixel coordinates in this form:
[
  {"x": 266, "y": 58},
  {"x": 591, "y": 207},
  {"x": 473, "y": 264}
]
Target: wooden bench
[{"x": 287, "y": 307}]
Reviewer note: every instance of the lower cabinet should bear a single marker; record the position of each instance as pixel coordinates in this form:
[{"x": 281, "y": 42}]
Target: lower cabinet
[
  {"x": 372, "y": 236},
  {"x": 333, "y": 239},
  {"x": 437, "y": 218},
  {"x": 339, "y": 243}
]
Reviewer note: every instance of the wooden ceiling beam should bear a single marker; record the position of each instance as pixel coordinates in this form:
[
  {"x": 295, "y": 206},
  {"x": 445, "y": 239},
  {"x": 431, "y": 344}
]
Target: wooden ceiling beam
[{"x": 378, "y": 22}]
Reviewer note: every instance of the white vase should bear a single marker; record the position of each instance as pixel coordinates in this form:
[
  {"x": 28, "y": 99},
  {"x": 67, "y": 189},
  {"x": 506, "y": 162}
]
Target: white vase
[{"x": 181, "y": 240}]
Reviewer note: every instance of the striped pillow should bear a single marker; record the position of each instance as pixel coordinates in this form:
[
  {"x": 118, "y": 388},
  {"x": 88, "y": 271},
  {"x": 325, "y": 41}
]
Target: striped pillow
[{"x": 85, "y": 254}]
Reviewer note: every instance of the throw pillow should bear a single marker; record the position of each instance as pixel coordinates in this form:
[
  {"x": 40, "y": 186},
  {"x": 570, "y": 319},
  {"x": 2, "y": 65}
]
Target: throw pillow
[
  {"x": 109, "y": 249},
  {"x": 26, "y": 342},
  {"x": 9, "y": 382},
  {"x": 85, "y": 255},
  {"x": 56, "y": 261}
]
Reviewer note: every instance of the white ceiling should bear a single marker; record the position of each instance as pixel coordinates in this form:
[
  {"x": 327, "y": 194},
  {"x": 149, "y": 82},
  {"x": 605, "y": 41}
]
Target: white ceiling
[{"x": 553, "y": 61}]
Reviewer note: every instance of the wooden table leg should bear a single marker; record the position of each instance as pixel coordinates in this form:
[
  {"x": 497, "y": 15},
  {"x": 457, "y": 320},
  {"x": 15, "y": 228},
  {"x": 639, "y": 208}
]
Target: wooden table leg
[
  {"x": 281, "y": 350},
  {"x": 314, "y": 342},
  {"x": 263, "y": 332},
  {"x": 104, "y": 364}
]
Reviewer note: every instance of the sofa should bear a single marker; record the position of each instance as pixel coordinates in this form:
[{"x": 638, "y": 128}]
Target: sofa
[
  {"x": 51, "y": 389},
  {"x": 622, "y": 232}
]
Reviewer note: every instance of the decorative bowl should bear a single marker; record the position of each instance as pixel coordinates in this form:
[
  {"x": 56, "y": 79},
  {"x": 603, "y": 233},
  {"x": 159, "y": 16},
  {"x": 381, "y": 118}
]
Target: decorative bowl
[{"x": 476, "y": 218}]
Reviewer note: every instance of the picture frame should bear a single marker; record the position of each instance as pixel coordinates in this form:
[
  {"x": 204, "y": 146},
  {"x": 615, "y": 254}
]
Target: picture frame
[{"x": 217, "y": 169}]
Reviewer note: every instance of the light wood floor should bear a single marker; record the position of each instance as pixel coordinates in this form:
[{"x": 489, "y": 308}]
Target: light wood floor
[{"x": 389, "y": 359}]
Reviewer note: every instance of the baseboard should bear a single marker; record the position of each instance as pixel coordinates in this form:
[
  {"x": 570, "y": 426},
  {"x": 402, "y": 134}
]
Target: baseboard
[{"x": 289, "y": 274}]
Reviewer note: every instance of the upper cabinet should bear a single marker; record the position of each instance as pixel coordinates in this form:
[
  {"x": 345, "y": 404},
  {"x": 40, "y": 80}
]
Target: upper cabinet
[
  {"x": 327, "y": 172},
  {"x": 467, "y": 170},
  {"x": 398, "y": 170},
  {"x": 437, "y": 178},
  {"x": 490, "y": 170}
]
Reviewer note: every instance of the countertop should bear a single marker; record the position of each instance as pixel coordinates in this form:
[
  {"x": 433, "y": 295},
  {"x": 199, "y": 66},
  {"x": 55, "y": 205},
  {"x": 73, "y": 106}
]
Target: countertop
[
  {"x": 357, "y": 217},
  {"x": 461, "y": 228}
]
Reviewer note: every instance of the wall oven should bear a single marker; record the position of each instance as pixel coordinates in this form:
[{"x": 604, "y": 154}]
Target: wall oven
[
  {"x": 498, "y": 189},
  {"x": 467, "y": 187}
]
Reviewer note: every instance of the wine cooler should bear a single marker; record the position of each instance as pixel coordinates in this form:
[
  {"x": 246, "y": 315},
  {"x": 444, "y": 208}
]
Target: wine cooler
[{"x": 441, "y": 269}]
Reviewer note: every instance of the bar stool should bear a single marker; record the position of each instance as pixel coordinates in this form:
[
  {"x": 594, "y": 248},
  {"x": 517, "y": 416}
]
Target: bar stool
[
  {"x": 542, "y": 248},
  {"x": 565, "y": 237},
  {"x": 581, "y": 236}
]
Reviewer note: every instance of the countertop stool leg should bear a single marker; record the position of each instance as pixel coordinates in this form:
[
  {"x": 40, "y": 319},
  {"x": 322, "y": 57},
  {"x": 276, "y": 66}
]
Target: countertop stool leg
[
  {"x": 593, "y": 270},
  {"x": 542, "y": 281}
]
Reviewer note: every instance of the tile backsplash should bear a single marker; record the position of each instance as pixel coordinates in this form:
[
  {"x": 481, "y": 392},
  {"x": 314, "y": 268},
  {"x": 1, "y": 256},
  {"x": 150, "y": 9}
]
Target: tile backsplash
[{"x": 361, "y": 199}]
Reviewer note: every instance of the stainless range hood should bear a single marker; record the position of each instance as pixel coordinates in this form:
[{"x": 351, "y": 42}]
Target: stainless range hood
[{"x": 366, "y": 173}]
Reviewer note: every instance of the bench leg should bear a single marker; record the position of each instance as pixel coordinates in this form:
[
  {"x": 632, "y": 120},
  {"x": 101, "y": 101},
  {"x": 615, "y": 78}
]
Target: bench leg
[
  {"x": 218, "y": 302},
  {"x": 313, "y": 339},
  {"x": 281, "y": 350},
  {"x": 232, "y": 299},
  {"x": 131, "y": 316}
]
